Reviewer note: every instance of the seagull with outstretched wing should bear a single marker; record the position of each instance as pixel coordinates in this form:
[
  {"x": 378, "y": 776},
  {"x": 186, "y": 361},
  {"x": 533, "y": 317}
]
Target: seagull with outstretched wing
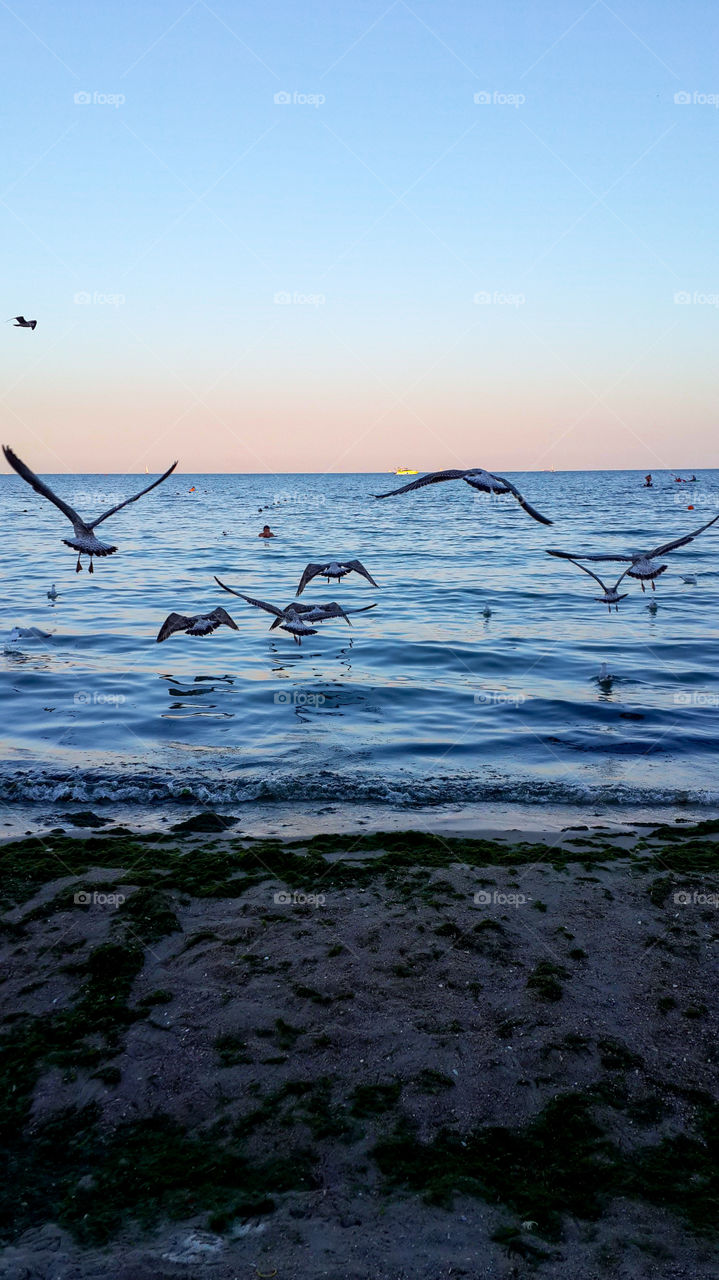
[
  {"x": 611, "y": 596},
  {"x": 22, "y": 323},
  {"x": 84, "y": 542},
  {"x": 202, "y": 624},
  {"x": 295, "y": 618},
  {"x": 479, "y": 479},
  {"x": 642, "y": 564},
  {"x": 334, "y": 569}
]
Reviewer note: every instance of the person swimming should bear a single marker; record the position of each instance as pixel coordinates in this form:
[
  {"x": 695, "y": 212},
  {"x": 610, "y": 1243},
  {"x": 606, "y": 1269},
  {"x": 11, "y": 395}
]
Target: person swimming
[
  {"x": 648, "y": 482},
  {"x": 267, "y": 533}
]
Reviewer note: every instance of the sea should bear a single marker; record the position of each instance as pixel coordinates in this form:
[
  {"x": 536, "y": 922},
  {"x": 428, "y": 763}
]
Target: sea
[{"x": 472, "y": 689}]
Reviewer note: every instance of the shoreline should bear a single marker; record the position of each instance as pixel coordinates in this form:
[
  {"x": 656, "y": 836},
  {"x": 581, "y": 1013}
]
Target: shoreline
[
  {"x": 440, "y": 1069},
  {"x": 294, "y": 820}
]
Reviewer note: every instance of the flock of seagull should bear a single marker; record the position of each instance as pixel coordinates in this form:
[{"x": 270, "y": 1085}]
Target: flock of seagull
[{"x": 297, "y": 618}]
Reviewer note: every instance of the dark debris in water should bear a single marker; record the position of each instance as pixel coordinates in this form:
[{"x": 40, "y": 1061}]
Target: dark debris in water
[{"x": 86, "y": 818}]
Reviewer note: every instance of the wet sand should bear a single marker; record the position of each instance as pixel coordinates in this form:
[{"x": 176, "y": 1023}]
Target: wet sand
[{"x": 406, "y": 1056}]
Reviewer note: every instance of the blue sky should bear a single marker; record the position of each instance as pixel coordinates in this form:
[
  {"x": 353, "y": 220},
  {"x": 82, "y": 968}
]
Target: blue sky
[{"x": 382, "y": 270}]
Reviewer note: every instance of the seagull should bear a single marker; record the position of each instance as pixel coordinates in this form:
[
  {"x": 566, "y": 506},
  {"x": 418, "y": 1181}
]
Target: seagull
[
  {"x": 333, "y": 569},
  {"x": 642, "y": 564},
  {"x": 690, "y": 580},
  {"x": 486, "y": 612},
  {"x": 604, "y": 675},
  {"x": 478, "y": 478},
  {"x": 611, "y": 595},
  {"x": 53, "y": 595},
  {"x": 22, "y": 323},
  {"x": 295, "y": 618},
  {"x": 202, "y": 624},
  {"x": 653, "y": 606},
  {"x": 84, "y": 542}
]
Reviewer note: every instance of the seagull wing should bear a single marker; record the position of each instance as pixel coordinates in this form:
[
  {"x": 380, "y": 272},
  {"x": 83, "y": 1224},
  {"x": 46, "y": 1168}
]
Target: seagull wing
[
  {"x": 259, "y": 604},
  {"x": 680, "y": 542},
  {"x": 432, "y": 477},
  {"x": 173, "y": 622},
  {"x": 40, "y": 487},
  {"x": 530, "y": 510},
  {"x": 126, "y": 503},
  {"x": 310, "y": 572},
  {"x": 578, "y": 555},
  {"x": 591, "y": 573},
  {"x": 359, "y": 568},
  {"x": 221, "y": 618},
  {"x": 334, "y": 610}
]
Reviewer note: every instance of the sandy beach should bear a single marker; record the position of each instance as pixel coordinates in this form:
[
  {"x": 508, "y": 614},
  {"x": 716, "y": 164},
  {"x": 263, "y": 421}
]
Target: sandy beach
[{"x": 381, "y": 1056}]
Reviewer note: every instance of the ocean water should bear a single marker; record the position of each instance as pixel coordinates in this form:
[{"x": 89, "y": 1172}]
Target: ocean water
[{"x": 423, "y": 701}]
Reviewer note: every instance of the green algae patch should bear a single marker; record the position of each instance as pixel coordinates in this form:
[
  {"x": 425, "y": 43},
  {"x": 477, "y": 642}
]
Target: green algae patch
[
  {"x": 92, "y": 1181},
  {"x": 560, "y": 1163}
]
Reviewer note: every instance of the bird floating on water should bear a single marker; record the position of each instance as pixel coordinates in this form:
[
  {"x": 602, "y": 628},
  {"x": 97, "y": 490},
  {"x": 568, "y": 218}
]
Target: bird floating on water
[
  {"x": 201, "y": 624},
  {"x": 295, "y": 618},
  {"x": 690, "y": 580},
  {"x": 53, "y": 594},
  {"x": 84, "y": 542},
  {"x": 479, "y": 479},
  {"x": 486, "y": 612},
  {"x": 334, "y": 569},
  {"x": 642, "y": 564},
  {"x": 22, "y": 323}
]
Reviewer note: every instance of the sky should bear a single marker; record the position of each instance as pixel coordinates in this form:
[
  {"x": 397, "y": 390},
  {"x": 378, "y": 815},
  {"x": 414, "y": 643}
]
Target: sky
[{"x": 358, "y": 235}]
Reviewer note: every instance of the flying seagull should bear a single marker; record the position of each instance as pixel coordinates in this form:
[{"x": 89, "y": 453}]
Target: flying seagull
[
  {"x": 333, "y": 569},
  {"x": 611, "y": 595},
  {"x": 478, "y": 478},
  {"x": 295, "y": 618},
  {"x": 84, "y": 542},
  {"x": 22, "y": 323},
  {"x": 642, "y": 564},
  {"x": 202, "y": 624}
]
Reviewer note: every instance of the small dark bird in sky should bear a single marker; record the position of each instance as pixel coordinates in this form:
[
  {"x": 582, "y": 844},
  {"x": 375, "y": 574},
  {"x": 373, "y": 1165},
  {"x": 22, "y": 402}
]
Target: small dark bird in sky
[{"x": 22, "y": 323}]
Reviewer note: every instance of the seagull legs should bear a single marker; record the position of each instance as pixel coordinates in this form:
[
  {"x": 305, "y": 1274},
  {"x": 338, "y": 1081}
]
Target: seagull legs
[
  {"x": 642, "y": 582},
  {"x": 653, "y": 587},
  {"x": 91, "y": 570},
  {"x": 78, "y": 566}
]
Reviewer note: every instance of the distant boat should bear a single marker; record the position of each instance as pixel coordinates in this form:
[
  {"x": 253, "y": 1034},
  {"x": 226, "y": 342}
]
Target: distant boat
[{"x": 406, "y": 471}]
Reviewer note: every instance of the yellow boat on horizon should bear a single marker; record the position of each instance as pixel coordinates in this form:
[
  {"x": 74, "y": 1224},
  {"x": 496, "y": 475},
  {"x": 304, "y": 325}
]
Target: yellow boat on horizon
[{"x": 406, "y": 471}]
